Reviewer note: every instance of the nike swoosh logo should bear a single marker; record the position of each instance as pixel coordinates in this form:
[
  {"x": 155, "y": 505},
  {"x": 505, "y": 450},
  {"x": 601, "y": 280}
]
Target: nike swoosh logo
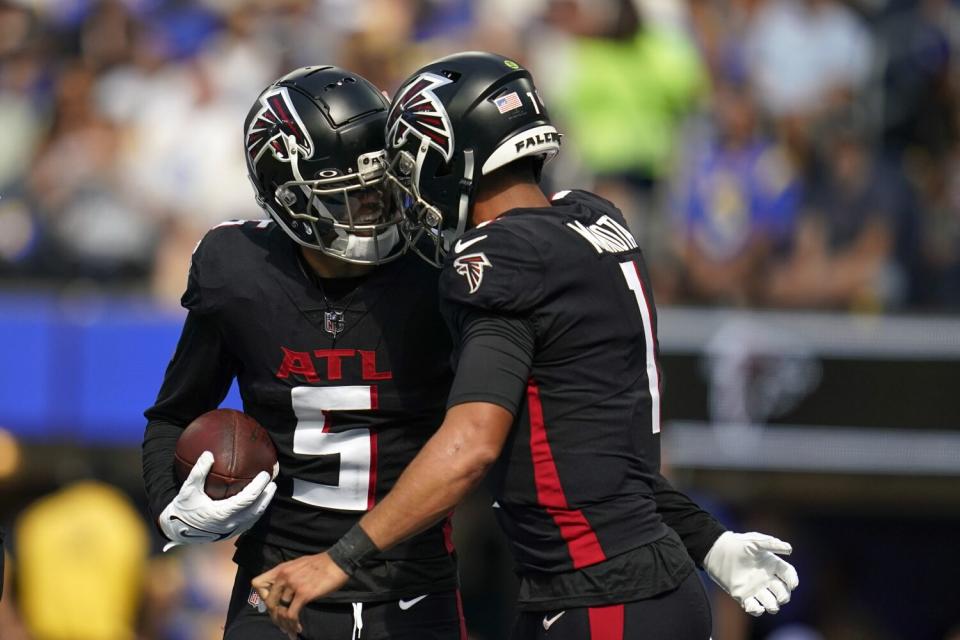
[
  {"x": 461, "y": 245},
  {"x": 406, "y": 604},
  {"x": 548, "y": 622},
  {"x": 187, "y": 531}
]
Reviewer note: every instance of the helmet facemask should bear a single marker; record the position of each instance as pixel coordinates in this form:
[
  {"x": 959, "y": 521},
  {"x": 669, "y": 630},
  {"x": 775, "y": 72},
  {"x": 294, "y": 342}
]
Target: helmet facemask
[
  {"x": 423, "y": 227},
  {"x": 315, "y": 156},
  {"x": 350, "y": 217}
]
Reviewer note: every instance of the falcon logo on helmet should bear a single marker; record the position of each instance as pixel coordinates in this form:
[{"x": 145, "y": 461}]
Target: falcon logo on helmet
[
  {"x": 272, "y": 127},
  {"x": 420, "y": 112},
  {"x": 471, "y": 267}
]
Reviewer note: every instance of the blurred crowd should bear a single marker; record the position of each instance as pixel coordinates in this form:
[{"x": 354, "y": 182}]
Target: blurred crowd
[{"x": 768, "y": 153}]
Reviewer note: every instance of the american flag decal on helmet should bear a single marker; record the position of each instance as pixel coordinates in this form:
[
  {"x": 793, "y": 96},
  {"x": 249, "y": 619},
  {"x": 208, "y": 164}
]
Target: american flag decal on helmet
[
  {"x": 420, "y": 112},
  {"x": 277, "y": 118},
  {"x": 471, "y": 267}
]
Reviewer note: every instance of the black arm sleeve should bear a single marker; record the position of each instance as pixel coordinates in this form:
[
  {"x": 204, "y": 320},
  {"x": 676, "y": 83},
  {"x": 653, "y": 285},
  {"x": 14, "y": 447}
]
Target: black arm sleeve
[
  {"x": 697, "y": 528},
  {"x": 494, "y": 358},
  {"x": 197, "y": 380},
  {"x": 494, "y": 361}
]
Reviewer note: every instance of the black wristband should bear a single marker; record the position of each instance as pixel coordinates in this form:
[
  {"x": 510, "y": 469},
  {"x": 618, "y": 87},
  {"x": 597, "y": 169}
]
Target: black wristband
[{"x": 352, "y": 550}]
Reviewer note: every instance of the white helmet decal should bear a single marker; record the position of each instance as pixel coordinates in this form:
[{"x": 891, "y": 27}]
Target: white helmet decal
[
  {"x": 277, "y": 119},
  {"x": 420, "y": 112}
]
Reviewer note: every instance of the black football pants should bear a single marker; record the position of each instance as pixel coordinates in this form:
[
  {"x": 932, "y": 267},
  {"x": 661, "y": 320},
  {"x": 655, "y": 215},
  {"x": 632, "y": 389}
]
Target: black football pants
[
  {"x": 438, "y": 616},
  {"x": 681, "y": 614}
]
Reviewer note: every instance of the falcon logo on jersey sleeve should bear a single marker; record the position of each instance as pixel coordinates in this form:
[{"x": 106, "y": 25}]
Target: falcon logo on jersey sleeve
[
  {"x": 471, "y": 267},
  {"x": 276, "y": 120},
  {"x": 419, "y": 112}
]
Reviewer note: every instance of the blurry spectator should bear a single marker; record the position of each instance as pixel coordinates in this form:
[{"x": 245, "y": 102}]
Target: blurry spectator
[
  {"x": 9, "y": 618},
  {"x": 921, "y": 44},
  {"x": 921, "y": 107},
  {"x": 843, "y": 250},
  {"x": 23, "y": 120},
  {"x": 185, "y": 150},
  {"x": 106, "y": 35},
  {"x": 21, "y": 78},
  {"x": 806, "y": 55},
  {"x": 626, "y": 91},
  {"x": 936, "y": 280},
  {"x": 720, "y": 30},
  {"x": 809, "y": 60},
  {"x": 75, "y": 183},
  {"x": 189, "y": 591},
  {"x": 121, "y": 120},
  {"x": 736, "y": 200},
  {"x": 80, "y": 563}
]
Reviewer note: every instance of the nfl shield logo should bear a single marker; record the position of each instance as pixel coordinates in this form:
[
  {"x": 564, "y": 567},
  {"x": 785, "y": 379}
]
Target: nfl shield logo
[
  {"x": 333, "y": 322},
  {"x": 254, "y": 601}
]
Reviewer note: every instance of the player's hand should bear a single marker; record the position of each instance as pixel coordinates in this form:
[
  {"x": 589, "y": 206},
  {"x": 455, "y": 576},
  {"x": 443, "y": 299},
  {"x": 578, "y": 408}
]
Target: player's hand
[
  {"x": 193, "y": 516},
  {"x": 746, "y": 567},
  {"x": 290, "y": 585}
]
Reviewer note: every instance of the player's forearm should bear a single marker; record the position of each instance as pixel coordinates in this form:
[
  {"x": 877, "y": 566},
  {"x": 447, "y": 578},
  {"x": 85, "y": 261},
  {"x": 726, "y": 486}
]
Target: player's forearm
[
  {"x": 430, "y": 488},
  {"x": 697, "y": 528},
  {"x": 159, "y": 446},
  {"x": 452, "y": 463}
]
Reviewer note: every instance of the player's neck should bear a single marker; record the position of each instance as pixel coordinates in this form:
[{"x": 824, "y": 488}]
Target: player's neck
[
  {"x": 329, "y": 267},
  {"x": 493, "y": 200}
]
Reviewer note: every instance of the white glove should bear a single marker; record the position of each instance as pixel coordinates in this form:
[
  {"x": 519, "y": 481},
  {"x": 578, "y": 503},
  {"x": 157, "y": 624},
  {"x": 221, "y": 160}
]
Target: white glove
[
  {"x": 193, "y": 516},
  {"x": 744, "y": 565}
]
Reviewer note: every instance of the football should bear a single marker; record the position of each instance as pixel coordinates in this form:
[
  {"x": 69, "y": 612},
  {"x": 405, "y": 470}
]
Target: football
[{"x": 241, "y": 449}]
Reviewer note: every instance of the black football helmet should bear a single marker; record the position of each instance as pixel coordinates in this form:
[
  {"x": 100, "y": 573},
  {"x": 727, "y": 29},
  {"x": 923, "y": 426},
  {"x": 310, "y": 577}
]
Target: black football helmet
[
  {"x": 314, "y": 150},
  {"x": 453, "y": 121}
]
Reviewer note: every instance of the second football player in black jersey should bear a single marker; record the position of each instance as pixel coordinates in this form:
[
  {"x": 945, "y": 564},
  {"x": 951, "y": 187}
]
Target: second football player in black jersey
[
  {"x": 334, "y": 338},
  {"x": 557, "y": 389}
]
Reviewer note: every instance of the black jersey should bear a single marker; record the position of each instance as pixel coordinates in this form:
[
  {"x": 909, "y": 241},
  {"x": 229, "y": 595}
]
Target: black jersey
[
  {"x": 348, "y": 390},
  {"x": 576, "y": 482}
]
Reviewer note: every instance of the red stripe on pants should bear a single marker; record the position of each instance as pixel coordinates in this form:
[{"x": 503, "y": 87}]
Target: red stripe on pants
[
  {"x": 582, "y": 542},
  {"x": 463, "y": 619},
  {"x": 606, "y": 623}
]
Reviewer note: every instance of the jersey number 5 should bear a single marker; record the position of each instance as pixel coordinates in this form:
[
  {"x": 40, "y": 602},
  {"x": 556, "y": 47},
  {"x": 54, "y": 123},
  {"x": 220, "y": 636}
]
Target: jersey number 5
[
  {"x": 632, "y": 275},
  {"x": 356, "y": 447}
]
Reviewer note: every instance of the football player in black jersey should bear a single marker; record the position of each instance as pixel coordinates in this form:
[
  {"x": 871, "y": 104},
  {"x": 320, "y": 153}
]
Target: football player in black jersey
[
  {"x": 335, "y": 340},
  {"x": 557, "y": 387}
]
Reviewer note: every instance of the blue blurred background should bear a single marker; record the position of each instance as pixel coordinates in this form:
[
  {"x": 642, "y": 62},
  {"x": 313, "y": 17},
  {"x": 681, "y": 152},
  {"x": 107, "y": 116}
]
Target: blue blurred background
[{"x": 790, "y": 167}]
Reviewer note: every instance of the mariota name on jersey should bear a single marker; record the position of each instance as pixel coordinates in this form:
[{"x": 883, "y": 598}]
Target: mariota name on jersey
[{"x": 606, "y": 235}]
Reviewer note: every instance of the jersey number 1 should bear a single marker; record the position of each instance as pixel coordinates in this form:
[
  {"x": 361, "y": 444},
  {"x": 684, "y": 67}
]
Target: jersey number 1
[
  {"x": 632, "y": 275},
  {"x": 356, "y": 447}
]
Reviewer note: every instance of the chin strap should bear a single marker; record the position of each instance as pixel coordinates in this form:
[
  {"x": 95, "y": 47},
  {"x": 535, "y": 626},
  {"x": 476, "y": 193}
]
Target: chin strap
[
  {"x": 466, "y": 193},
  {"x": 369, "y": 248}
]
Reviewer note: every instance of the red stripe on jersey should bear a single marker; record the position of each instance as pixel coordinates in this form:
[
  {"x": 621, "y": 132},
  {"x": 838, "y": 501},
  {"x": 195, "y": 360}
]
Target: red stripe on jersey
[
  {"x": 372, "y": 490},
  {"x": 463, "y": 618},
  {"x": 606, "y": 623},
  {"x": 448, "y": 533},
  {"x": 582, "y": 542}
]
